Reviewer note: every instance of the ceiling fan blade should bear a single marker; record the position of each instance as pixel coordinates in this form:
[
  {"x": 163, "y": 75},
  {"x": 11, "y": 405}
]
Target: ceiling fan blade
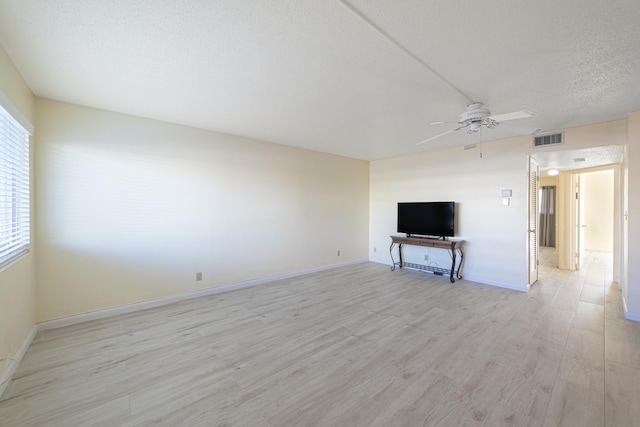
[
  {"x": 522, "y": 114},
  {"x": 442, "y": 122},
  {"x": 439, "y": 135},
  {"x": 520, "y": 130}
]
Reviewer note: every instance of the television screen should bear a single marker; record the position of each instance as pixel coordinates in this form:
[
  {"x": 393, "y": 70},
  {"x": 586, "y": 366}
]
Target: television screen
[{"x": 427, "y": 218}]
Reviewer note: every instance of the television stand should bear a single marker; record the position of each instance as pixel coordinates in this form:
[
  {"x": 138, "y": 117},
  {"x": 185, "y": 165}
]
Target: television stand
[{"x": 452, "y": 246}]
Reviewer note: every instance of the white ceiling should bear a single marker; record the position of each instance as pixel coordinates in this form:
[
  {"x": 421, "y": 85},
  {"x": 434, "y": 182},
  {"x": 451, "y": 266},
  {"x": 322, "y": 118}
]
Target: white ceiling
[
  {"x": 583, "y": 158},
  {"x": 358, "y": 78}
]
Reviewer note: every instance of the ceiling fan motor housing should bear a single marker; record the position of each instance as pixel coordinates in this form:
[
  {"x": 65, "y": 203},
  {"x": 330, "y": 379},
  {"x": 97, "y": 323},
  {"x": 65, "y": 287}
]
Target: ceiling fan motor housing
[{"x": 476, "y": 112}]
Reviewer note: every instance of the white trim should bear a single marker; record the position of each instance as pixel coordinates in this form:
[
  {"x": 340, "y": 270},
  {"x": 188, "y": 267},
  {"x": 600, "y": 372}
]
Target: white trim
[
  {"x": 521, "y": 288},
  {"x": 6, "y": 103},
  {"x": 6, "y": 376},
  {"x": 629, "y": 315},
  {"x": 130, "y": 308},
  {"x": 379, "y": 261},
  {"x": 15, "y": 260}
]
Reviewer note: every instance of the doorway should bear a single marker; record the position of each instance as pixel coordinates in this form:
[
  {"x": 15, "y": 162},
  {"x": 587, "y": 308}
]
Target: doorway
[
  {"x": 584, "y": 214},
  {"x": 598, "y": 190},
  {"x": 572, "y": 164},
  {"x": 548, "y": 216}
]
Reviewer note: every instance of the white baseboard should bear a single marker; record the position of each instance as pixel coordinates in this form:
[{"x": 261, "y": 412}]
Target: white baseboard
[
  {"x": 8, "y": 373},
  {"x": 629, "y": 315},
  {"x": 130, "y": 308},
  {"x": 521, "y": 288},
  {"x": 380, "y": 261}
]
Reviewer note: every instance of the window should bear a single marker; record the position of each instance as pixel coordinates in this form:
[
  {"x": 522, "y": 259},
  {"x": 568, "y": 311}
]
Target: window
[{"x": 14, "y": 187}]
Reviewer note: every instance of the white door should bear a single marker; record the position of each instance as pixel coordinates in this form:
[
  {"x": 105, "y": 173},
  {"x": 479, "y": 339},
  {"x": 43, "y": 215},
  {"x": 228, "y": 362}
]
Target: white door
[{"x": 532, "y": 221}]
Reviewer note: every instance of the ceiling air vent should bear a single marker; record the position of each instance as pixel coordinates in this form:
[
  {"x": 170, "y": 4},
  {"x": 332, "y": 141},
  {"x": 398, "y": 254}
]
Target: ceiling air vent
[{"x": 549, "y": 139}]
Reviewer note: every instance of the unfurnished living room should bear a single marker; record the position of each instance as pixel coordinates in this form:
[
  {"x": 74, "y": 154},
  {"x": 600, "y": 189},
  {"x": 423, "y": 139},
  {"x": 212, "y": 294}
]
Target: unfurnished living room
[{"x": 319, "y": 213}]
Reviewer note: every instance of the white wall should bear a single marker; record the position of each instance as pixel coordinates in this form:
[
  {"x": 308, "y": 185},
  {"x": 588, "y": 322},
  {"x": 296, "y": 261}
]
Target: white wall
[
  {"x": 496, "y": 235},
  {"x": 17, "y": 282},
  {"x": 130, "y": 209}
]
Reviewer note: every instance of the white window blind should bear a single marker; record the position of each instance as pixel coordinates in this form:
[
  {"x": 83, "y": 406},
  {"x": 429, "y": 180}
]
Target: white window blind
[{"x": 14, "y": 189}]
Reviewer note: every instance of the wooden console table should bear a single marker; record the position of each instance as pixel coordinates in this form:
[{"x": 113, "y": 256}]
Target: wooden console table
[{"x": 452, "y": 246}]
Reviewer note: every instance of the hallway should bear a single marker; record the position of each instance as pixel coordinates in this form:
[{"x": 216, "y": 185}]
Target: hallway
[{"x": 601, "y": 348}]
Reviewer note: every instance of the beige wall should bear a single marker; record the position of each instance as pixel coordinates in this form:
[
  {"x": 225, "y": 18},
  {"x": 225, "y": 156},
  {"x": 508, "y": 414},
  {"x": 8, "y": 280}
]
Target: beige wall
[
  {"x": 130, "y": 209},
  {"x": 598, "y": 211},
  {"x": 17, "y": 282},
  {"x": 548, "y": 181}
]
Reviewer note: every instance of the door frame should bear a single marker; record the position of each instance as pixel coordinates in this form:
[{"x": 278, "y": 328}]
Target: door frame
[
  {"x": 569, "y": 227},
  {"x": 533, "y": 220}
]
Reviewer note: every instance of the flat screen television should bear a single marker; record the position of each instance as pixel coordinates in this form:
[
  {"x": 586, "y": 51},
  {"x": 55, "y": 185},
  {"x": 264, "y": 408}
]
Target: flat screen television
[{"x": 434, "y": 219}]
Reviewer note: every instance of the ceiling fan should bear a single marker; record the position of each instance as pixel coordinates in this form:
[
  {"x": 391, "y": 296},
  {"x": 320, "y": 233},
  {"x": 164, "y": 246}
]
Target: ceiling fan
[{"x": 477, "y": 115}]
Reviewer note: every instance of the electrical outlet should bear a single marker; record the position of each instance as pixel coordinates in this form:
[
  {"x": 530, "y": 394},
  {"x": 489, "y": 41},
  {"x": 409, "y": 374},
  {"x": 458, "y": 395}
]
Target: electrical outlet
[
  {"x": 426, "y": 257},
  {"x": 375, "y": 249},
  {"x": 338, "y": 252},
  {"x": 198, "y": 276}
]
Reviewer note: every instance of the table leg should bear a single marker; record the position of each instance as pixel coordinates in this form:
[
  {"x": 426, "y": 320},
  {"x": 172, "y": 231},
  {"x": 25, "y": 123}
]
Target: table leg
[
  {"x": 393, "y": 262},
  {"x": 460, "y": 265},
  {"x": 453, "y": 265}
]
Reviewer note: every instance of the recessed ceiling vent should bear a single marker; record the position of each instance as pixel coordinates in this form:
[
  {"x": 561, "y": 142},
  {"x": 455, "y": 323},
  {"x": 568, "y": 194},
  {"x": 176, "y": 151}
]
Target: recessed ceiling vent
[{"x": 549, "y": 139}]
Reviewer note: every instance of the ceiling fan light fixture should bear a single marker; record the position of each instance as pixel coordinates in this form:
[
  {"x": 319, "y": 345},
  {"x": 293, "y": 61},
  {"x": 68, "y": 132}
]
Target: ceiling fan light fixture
[{"x": 490, "y": 123}]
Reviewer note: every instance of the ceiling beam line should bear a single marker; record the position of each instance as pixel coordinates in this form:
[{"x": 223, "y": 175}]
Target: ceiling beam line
[{"x": 404, "y": 49}]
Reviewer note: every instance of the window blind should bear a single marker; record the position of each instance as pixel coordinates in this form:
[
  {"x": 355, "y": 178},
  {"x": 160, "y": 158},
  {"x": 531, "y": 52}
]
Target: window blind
[{"x": 14, "y": 189}]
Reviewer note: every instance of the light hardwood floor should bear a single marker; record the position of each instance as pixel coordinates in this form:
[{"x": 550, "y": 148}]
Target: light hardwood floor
[{"x": 354, "y": 346}]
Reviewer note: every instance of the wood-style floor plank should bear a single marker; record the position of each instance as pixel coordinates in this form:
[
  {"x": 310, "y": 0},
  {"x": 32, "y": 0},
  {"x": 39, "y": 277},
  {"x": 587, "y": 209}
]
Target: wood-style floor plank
[{"x": 356, "y": 346}]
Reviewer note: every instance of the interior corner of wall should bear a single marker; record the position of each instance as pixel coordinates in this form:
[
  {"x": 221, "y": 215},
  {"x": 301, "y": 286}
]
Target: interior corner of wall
[{"x": 7, "y": 370}]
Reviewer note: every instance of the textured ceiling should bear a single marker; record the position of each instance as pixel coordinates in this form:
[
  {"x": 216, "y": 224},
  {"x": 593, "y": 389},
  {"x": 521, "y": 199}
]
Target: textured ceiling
[
  {"x": 579, "y": 159},
  {"x": 359, "y": 78}
]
